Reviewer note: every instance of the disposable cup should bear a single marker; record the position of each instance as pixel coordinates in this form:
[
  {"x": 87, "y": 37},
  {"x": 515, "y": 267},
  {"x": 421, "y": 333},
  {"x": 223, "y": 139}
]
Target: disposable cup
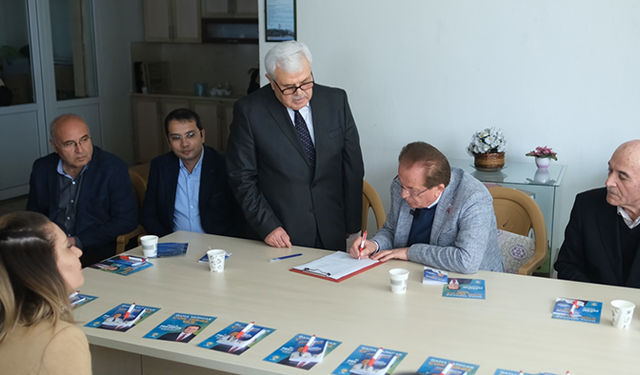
[
  {"x": 216, "y": 260},
  {"x": 149, "y": 245},
  {"x": 622, "y": 312},
  {"x": 399, "y": 278}
]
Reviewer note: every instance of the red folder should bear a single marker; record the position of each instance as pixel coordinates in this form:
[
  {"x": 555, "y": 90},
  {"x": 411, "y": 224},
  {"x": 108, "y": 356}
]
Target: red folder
[{"x": 343, "y": 278}]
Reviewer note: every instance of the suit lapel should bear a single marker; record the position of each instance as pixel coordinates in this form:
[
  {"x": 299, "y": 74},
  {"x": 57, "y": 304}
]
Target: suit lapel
[
  {"x": 610, "y": 238},
  {"x": 207, "y": 183},
  {"x": 172, "y": 172},
  {"x": 281, "y": 116},
  {"x": 54, "y": 191}
]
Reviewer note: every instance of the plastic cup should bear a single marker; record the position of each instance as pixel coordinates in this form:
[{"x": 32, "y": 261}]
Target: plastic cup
[
  {"x": 149, "y": 245},
  {"x": 399, "y": 278},
  {"x": 622, "y": 313},
  {"x": 216, "y": 260}
]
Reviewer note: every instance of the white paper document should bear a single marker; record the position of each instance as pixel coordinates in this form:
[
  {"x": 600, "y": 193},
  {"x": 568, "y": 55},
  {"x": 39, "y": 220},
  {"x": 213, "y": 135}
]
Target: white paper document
[{"x": 336, "y": 265}]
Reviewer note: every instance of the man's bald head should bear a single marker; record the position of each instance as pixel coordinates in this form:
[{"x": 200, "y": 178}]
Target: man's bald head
[{"x": 623, "y": 183}]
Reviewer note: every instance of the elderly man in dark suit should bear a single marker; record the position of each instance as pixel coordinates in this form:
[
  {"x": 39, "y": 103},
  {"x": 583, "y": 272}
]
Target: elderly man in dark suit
[
  {"x": 602, "y": 239},
  {"x": 294, "y": 156},
  {"x": 188, "y": 187},
  {"x": 83, "y": 189}
]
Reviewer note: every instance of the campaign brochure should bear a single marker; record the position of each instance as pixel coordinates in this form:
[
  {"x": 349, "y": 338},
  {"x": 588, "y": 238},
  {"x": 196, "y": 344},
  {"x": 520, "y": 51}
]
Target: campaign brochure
[
  {"x": 293, "y": 352},
  {"x": 78, "y": 299},
  {"x": 577, "y": 310},
  {"x": 509, "y": 372},
  {"x": 434, "y": 276},
  {"x": 122, "y": 265},
  {"x": 464, "y": 288},
  {"x": 369, "y": 360},
  {"x": 180, "y": 327},
  {"x": 171, "y": 249},
  {"x": 439, "y": 366},
  {"x": 117, "y": 318},
  {"x": 205, "y": 257},
  {"x": 236, "y": 338}
]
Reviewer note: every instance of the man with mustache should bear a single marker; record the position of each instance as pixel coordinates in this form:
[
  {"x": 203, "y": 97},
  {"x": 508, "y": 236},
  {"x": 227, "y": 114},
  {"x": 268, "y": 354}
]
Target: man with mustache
[
  {"x": 602, "y": 238},
  {"x": 84, "y": 189},
  {"x": 188, "y": 187},
  {"x": 294, "y": 157}
]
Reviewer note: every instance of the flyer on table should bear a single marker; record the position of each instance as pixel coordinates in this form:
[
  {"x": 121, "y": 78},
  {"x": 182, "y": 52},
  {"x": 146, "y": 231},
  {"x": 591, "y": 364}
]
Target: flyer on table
[
  {"x": 577, "y": 310},
  {"x": 180, "y": 327},
  {"x": 293, "y": 353},
  {"x": 510, "y": 372},
  {"x": 79, "y": 300},
  {"x": 121, "y": 266},
  {"x": 117, "y": 318},
  {"x": 236, "y": 339},
  {"x": 369, "y": 360},
  {"x": 464, "y": 288},
  {"x": 436, "y": 366}
]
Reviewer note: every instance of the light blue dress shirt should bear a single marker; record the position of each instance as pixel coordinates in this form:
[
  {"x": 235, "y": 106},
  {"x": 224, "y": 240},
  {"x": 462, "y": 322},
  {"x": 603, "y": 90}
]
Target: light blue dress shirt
[{"x": 186, "y": 214}]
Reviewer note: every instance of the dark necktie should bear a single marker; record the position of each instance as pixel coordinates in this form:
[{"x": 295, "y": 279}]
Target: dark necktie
[{"x": 305, "y": 138}]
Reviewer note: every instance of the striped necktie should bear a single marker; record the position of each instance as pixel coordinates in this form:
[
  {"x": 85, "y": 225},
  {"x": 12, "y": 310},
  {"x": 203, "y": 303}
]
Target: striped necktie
[{"x": 305, "y": 138}]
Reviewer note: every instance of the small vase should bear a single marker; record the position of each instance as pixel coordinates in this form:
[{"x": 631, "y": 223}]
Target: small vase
[
  {"x": 490, "y": 162},
  {"x": 542, "y": 176},
  {"x": 543, "y": 162}
]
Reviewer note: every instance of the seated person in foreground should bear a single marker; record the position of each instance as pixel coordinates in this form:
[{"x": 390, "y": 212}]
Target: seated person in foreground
[
  {"x": 39, "y": 268},
  {"x": 188, "y": 187},
  {"x": 83, "y": 189},
  {"x": 440, "y": 217},
  {"x": 602, "y": 239}
]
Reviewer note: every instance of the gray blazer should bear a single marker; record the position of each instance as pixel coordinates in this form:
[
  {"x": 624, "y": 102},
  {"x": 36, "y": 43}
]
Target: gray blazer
[{"x": 464, "y": 235}]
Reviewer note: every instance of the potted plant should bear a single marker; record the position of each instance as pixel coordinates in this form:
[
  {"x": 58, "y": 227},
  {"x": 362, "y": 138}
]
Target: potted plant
[
  {"x": 543, "y": 156},
  {"x": 487, "y": 148}
]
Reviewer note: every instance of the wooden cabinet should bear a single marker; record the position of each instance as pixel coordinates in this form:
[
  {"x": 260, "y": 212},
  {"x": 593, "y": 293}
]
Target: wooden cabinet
[
  {"x": 172, "y": 21},
  {"x": 149, "y": 112},
  {"x": 230, "y": 8}
]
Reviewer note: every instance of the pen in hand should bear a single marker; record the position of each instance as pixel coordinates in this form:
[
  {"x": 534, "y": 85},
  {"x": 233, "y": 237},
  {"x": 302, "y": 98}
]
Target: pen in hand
[{"x": 364, "y": 238}]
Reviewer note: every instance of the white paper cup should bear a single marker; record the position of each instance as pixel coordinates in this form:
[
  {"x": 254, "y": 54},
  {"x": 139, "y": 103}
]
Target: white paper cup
[
  {"x": 149, "y": 245},
  {"x": 216, "y": 260},
  {"x": 622, "y": 313},
  {"x": 399, "y": 278}
]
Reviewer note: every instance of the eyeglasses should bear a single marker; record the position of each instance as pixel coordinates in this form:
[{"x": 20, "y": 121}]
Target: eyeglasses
[
  {"x": 411, "y": 192},
  {"x": 188, "y": 135},
  {"x": 292, "y": 89},
  {"x": 68, "y": 145}
]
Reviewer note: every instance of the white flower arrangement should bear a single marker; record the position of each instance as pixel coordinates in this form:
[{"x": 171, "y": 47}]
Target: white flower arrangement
[{"x": 487, "y": 141}]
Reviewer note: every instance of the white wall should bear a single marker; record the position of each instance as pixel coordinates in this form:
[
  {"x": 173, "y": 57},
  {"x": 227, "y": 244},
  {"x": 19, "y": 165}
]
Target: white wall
[{"x": 559, "y": 73}]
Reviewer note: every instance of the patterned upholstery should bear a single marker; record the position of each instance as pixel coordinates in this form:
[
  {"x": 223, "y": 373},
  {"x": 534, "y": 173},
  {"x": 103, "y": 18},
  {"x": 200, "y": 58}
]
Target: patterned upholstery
[{"x": 515, "y": 249}]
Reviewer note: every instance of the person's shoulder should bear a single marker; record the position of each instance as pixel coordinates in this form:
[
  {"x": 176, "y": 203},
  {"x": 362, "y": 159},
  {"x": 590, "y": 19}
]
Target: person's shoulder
[
  {"x": 257, "y": 96},
  {"x": 164, "y": 159},
  {"x": 107, "y": 159},
  {"x": 593, "y": 195},
  {"x": 46, "y": 161},
  {"x": 328, "y": 91}
]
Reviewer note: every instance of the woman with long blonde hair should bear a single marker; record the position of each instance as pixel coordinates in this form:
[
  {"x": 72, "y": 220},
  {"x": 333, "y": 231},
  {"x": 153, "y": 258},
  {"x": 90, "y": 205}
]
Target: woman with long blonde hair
[{"x": 39, "y": 268}]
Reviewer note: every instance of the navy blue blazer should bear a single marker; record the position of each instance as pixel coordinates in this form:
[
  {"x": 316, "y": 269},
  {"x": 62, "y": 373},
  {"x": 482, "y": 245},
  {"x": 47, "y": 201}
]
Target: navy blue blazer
[
  {"x": 219, "y": 211},
  {"x": 106, "y": 207}
]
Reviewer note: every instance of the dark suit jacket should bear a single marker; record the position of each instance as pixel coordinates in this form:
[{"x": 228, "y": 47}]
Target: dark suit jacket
[
  {"x": 271, "y": 176},
  {"x": 591, "y": 249},
  {"x": 106, "y": 207},
  {"x": 172, "y": 336},
  {"x": 219, "y": 212}
]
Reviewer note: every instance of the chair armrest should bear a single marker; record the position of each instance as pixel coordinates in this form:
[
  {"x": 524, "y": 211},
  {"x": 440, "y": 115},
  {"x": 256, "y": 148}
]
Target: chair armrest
[{"x": 124, "y": 239}]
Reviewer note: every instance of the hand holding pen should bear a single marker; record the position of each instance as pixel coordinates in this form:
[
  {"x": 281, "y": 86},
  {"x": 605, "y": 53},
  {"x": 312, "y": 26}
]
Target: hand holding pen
[
  {"x": 362, "y": 248},
  {"x": 364, "y": 240}
]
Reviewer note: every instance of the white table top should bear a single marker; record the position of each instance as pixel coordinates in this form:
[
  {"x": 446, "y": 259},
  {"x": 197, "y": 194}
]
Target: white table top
[{"x": 511, "y": 329}]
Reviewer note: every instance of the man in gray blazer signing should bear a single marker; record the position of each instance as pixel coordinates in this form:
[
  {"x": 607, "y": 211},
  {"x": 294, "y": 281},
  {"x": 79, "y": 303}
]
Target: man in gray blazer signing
[
  {"x": 440, "y": 217},
  {"x": 294, "y": 158}
]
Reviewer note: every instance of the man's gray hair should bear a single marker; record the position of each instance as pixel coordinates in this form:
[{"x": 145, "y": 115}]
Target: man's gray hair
[
  {"x": 61, "y": 120},
  {"x": 287, "y": 56}
]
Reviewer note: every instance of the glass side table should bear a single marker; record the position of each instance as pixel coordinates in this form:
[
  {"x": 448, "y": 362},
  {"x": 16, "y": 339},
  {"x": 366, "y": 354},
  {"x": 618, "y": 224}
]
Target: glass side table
[{"x": 539, "y": 184}]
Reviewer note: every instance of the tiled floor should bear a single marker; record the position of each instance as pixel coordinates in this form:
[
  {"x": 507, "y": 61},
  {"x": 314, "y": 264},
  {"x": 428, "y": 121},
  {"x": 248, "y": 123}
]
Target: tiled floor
[{"x": 13, "y": 204}]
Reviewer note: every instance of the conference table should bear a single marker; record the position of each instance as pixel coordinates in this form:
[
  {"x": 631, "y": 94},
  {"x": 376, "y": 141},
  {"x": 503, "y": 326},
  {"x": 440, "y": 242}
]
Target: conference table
[{"x": 511, "y": 329}]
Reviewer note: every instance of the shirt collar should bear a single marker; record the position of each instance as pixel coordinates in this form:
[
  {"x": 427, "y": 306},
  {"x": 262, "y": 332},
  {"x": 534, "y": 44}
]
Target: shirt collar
[
  {"x": 63, "y": 173},
  {"x": 436, "y": 201},
  {"x": 198, "y": 164},
  {"x": 627, "y": 219}
]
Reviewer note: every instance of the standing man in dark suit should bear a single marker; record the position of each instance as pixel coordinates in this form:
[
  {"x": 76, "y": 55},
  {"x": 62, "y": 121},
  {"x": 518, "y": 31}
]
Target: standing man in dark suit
[
  {"x": 83, "y": 189},
  {"x": 188, "y": 187},
  {"x": 294, "y": 157},
  {"x": 602, "y": 239}
]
